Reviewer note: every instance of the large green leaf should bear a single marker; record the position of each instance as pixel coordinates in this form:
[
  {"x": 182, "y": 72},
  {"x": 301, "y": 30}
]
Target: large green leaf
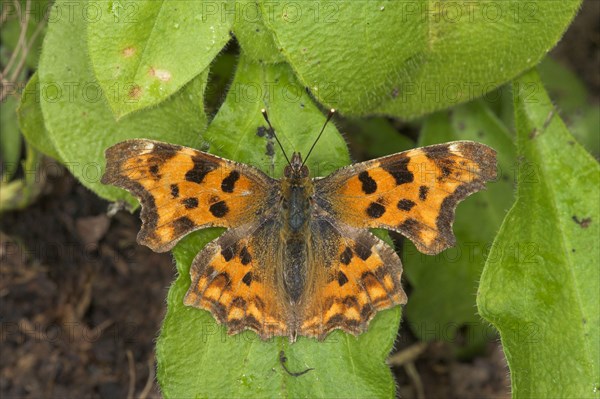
[
  {"x": 78, "y": 118},
  {"x": 444, "y": 285},
  {"x": 31, "y": 119},
  {"x": 541, "y": 282},
  {"x": 577, "y": 108},
  {"x": 253, "y": 37},
  {"x": 376, "y": 137},
  {"x": 195, "y": 356},
  {"x": 408, "y": 58},
  {"x": 144, "y": 51}
]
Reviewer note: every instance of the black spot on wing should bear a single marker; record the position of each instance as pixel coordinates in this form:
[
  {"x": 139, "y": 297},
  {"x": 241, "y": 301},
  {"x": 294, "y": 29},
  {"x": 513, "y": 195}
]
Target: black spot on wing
[
  {"x": 375, "y": 210},
  {"x": 228, "y": 253},
  {"x": 228, "y": 183},
  {"x": 247, "y": 279},
  {"x": 446, "y": 171},
  {"x": 154, "y": 171},
  {"x": 423, "y": 190},
  {"x": 346, "y": 256},
  {"x": 369, "y": 186},
  {"x": 219, "y": 209},
  {"x": 399, "y": 171},
  {"x": 362, "y": 250},
  {"x": 342, "y": 279},
  {"x": 405, "y": 205},
  {"x": 174, "y": 191},
  {"x": 245, "y": 256},
  {"x": 190, "y": 202},
  {"x": 200, "y": 170}
]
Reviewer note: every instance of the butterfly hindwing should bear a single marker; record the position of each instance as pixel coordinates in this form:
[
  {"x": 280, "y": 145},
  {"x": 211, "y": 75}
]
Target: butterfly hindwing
[
  {"x": 235, "y": 278},
  {"x": 414, "y": 192},
  {"x": 355, "y": 275},
  {"x": 182, "y": 189}
]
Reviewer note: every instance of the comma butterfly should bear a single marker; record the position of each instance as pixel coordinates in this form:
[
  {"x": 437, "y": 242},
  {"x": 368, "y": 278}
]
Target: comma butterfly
[{"x": 298, "y": 257}]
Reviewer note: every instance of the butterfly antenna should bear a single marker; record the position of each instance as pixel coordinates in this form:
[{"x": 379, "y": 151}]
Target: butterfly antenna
[
  {"x": 329, "y": 116},
  {"x": 264, "y": 114}
]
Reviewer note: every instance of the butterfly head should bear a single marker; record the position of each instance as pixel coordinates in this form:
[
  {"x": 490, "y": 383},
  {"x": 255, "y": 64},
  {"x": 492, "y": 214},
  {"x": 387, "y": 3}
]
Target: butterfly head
[{"x": 296, "y": 168}]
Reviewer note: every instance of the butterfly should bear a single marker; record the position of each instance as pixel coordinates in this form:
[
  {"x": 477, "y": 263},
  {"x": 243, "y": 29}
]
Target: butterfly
[{"x": 297, "y": 258}]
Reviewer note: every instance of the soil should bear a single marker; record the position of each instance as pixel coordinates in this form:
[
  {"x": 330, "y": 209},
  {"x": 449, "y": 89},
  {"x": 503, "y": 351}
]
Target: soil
[{"x": 82, "y": 303}]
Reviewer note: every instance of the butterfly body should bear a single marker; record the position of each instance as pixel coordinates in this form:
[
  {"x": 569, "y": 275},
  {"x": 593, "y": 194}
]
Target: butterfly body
[{"x": 298, "y": 257}]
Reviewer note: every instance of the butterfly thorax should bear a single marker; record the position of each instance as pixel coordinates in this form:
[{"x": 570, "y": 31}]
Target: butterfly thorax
[{"x": 296, "y": 190}]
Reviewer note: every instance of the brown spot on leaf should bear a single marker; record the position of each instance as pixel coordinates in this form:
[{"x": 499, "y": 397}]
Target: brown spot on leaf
[
  {"x": 134, "y": 92},
  {"x": 160, "y": 74},
  {"x": 128, "y": 51}
]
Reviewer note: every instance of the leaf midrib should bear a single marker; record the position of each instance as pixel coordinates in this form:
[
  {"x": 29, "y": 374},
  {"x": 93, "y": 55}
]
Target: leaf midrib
[{"x": 149, "y": 37}]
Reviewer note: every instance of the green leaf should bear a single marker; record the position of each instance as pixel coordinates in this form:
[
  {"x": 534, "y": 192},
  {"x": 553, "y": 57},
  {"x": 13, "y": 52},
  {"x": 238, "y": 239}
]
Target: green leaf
[
  {"x": 191, "y": 344},
  {"x": 578, "y": 110},
  {"x": 348, "y": 54},
  {"x": 10, "y": 139},
  {"x": 541, "y": 283},
  {"x": 408, "y": 58},
  {"x": 78, "y": 119},
  {"x": 235, "y": 133},
  {"x": 253, "y": 37},
  {"x": 221, "y": 75},
  {"x": 31, "y": 119},
  {"x": 377, "y": 137},
  {"x": 444, "y": 285},
  {"x": 144, "y": 51}
]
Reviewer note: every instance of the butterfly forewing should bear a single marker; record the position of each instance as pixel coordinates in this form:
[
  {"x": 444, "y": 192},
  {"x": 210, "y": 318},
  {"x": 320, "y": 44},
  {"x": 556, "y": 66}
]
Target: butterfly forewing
[
  {"x": 413, "y": 192},
  {"x": 182, "y": 189}
]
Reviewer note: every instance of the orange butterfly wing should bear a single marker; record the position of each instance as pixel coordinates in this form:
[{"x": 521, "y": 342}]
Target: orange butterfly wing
[
  {"x": 414, "y": 192},
  {"x": 182, "y": 189},
  {"x": 353, "y": 275},
  {"x": 235, "y": 278}
]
